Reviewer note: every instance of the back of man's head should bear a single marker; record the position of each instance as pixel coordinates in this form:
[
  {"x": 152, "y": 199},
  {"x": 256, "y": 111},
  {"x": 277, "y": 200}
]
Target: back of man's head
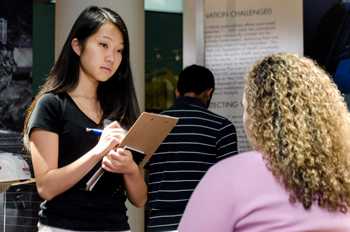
[{"x": 196, "y": 79}]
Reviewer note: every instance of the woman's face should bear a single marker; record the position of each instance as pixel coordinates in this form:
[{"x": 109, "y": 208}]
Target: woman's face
[{"x": 101, "y": 54}]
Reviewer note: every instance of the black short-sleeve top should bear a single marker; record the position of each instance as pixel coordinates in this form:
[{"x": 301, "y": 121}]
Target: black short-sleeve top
[{"x": 103, "y": 208}]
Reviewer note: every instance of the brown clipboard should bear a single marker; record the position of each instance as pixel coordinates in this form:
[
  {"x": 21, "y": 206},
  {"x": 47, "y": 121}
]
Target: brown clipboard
[{"x": 144, "y": 137}]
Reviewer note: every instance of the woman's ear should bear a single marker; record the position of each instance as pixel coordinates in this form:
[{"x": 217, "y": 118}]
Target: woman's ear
[{"x": 76, "y": 46}]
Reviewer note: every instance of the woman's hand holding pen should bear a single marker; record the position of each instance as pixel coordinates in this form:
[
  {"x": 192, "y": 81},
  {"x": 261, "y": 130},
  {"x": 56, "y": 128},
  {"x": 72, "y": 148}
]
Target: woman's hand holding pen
[
  {"x": 110, "y": 138},
  {"x": 119, "y": 160}
]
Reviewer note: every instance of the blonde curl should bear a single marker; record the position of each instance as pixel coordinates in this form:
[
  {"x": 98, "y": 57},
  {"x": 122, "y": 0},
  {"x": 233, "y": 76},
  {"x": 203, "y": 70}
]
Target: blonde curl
[{"x": 299, "y": 121}]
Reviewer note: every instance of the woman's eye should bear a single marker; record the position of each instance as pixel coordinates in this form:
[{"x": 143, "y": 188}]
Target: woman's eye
[{"x": 104, "y": 45}]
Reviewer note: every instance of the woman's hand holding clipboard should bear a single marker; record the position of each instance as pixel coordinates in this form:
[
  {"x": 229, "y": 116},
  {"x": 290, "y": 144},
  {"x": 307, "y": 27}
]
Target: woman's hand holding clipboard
[{"x": 142, "y": 139}]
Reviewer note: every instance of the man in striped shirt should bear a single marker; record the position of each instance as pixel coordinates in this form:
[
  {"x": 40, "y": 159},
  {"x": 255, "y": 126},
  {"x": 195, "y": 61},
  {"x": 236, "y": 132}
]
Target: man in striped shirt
[{"x": 200, "y": 139}]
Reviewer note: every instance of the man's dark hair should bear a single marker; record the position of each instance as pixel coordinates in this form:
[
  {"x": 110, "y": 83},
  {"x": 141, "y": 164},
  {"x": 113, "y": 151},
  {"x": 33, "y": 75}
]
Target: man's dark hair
[{"x": 195, "y": 78}]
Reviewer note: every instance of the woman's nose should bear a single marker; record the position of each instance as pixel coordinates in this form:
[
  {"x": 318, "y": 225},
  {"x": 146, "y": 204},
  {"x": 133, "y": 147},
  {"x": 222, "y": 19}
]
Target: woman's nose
[{"x": 110, "y": 57}]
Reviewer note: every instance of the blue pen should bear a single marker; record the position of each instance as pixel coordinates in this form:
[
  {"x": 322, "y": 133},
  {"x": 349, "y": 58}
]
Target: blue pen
[{"x": 94, "y": 131}]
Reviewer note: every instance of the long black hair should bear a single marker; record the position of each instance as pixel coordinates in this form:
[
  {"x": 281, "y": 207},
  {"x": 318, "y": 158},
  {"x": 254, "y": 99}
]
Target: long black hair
[{"x": 117, "y": 95}]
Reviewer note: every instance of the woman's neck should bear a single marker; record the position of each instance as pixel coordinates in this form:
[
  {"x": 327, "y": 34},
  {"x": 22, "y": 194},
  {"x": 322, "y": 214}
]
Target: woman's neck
[
  {"x": 82, "y": 95},
  {"x": 86, "y": 88}
]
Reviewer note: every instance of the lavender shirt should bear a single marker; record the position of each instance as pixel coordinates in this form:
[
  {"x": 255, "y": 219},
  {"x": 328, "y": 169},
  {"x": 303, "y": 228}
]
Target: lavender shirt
[{"x": 240, "y": 194}]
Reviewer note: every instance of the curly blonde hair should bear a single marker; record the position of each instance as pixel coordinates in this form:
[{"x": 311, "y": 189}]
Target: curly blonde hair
[{"x": 299, "y": 121}]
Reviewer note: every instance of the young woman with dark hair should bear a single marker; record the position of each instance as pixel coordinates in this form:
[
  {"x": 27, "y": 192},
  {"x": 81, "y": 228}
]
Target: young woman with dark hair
[{"x": 90, "y": 83}]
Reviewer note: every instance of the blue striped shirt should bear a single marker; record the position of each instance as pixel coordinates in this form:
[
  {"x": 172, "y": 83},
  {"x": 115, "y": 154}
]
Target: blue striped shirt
[{"x": 200, "y": 139}]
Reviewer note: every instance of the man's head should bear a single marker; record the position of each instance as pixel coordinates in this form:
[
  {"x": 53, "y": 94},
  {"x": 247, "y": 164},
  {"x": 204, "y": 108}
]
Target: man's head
[{"x": 196, "y": 81}]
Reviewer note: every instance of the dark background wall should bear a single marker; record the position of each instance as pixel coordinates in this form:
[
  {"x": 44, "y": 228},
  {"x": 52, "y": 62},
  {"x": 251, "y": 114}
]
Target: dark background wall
[
  {"x": 327, "y": 39},
  {"x": 313, "y": 12},
  {"x": 20, "y": 211},
  {"x": 43, "y": 41},
  {"x": 163, "y": 59}
]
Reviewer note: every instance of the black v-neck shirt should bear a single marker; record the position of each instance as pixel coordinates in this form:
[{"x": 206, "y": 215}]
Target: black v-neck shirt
[{"x": 76, "y": 209}]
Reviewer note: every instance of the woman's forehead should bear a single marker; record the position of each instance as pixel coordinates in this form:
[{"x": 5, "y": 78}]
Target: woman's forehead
[{"x": 111, "y": 32}]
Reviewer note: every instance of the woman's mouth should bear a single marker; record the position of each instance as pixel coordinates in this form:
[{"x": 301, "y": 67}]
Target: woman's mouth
[{"x": 106, "y": 69}]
